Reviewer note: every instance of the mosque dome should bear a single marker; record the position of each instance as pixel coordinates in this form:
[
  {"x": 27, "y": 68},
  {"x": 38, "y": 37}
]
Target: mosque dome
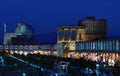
[{"x": 24, "y": 29}]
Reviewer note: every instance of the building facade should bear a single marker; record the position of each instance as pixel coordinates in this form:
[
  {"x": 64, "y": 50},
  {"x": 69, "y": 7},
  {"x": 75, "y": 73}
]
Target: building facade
[
  {"x": 88, "y": 40},
  {"x": 96, "y": 27},
  {"x": 46, "y": 49}
]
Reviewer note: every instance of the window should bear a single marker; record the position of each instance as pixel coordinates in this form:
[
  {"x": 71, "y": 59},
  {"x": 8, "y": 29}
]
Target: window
[
  {"x": 25, "y": 47},
  {"x": 11, "y": 47},
  {"x": 73, "y": 35},
  {"x": 16, "y": 47},
  {"x": 60, "y": 35},
  {"x": 83, "y": 46},
  {"x": 77, "y": 46},
  {"x": 96, "y": 46},
  {"x": 80, "y": 46},
  {"x": 101, "y": 45},
  {"x": 110, "y": 45},
  {"x": 107, "y": 47},
  {"x": 30, "y": 47},
  {"x": 66, "y": 34},
  {"x": 114, "y": 45},
  {"x": 1, "y": 46},
  {"x": 6, "y": 47},
  {"x": 117, "y": 45},
  {"x": 86, "y": 46},
  {"x": 89, "y": 46},
  {"x": 21, "y": 47},
  {"x": 93, "y": 45}
]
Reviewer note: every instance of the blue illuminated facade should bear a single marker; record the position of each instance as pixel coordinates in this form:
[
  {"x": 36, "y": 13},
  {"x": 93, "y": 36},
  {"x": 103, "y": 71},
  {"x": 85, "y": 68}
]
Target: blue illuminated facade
[{"x": 99, "y": 45}]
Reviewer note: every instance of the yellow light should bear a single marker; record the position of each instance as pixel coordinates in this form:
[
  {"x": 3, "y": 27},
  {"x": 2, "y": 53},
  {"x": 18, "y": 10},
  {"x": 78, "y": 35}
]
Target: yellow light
[
  {"x": 11, "y": 52},
  {"x": 35, "y": 52},
  {"x": 21, "y": 52},
  {"x": 25, "y": 53},
  {"x": 16, "y": 52}
]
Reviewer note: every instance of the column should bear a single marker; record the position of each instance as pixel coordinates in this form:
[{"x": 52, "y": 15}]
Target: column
[
  {"x": 66, "y": 34},
  {"x": 76, "y": 34},
  {"x": 58, "y": 35},
  {"x": 70, "y": 34},
  {"x": 63, "y": 34}
]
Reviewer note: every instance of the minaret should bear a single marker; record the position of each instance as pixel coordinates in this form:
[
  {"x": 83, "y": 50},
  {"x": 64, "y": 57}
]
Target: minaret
[
  {"x": 4, "y": 34},
  {"x": 5, "y": 28}
]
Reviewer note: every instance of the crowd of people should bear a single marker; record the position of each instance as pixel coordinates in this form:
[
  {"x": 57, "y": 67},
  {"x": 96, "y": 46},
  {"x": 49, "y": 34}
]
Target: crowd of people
[{"x": 48, "y": 61}]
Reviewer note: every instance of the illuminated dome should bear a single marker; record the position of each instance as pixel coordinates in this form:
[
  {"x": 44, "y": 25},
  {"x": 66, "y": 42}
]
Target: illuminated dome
[{"x": 24, "y": 29}]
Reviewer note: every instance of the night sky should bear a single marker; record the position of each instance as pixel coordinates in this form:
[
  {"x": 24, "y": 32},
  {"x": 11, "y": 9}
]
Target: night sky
[{"x": 46, "y": 15}]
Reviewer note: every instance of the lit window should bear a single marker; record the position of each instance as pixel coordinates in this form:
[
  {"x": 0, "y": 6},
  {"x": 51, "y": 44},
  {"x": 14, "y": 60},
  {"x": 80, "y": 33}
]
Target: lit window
[
  {"x": 110, "y": 45},
  {"x": 117, "y": 45}
]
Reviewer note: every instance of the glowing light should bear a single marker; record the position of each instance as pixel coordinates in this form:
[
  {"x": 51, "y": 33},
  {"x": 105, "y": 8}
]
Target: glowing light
[
  {"x": 35, "y": 52},
  {"x": 86, "y": 68},
  {"x": 6, "y": 51},
  {"x": 16, "y": 52},
  {"x": 21, "y": 52},
  {"x": 24, "y": 74},
  {"x": 97, "y": 65},
  {"x": 104, "y": 65},
  {"x": 31, "y": 52},
  {"x": 25, "y": 53},
  {"x": 11, "y": 52}
]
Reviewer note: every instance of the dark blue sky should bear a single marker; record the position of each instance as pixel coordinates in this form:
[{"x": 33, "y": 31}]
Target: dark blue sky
[{"x": 46, "y": 15}]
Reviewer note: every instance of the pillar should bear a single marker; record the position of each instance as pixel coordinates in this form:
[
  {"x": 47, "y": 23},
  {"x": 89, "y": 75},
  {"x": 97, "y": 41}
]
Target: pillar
[
  {"x": 70, "y": 35},
  {"x": 63, "y": 34},
  {"x": 77, "y": 35},
  {"x": 58, "y": 37},
  {"x": 67, "y": 34}
]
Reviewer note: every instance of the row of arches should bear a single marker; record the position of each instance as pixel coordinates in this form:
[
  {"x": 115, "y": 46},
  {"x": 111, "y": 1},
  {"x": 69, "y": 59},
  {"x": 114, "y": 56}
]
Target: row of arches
[{"x": 107, "y": 45}]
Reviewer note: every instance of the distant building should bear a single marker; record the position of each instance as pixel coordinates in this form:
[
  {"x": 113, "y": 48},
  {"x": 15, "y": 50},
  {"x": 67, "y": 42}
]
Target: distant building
[
  {"x": 24, "y": 29},
  {"x": 22, "y": 42},
  {"x": 8, "y": 36},
  {"x": 73, "y": 34},
  {"x": 96, "y": 27},
  {"x": 88, "y": 40},
  {"x": 87, "y": 30},
  {"x": 23, "y": 35}
]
